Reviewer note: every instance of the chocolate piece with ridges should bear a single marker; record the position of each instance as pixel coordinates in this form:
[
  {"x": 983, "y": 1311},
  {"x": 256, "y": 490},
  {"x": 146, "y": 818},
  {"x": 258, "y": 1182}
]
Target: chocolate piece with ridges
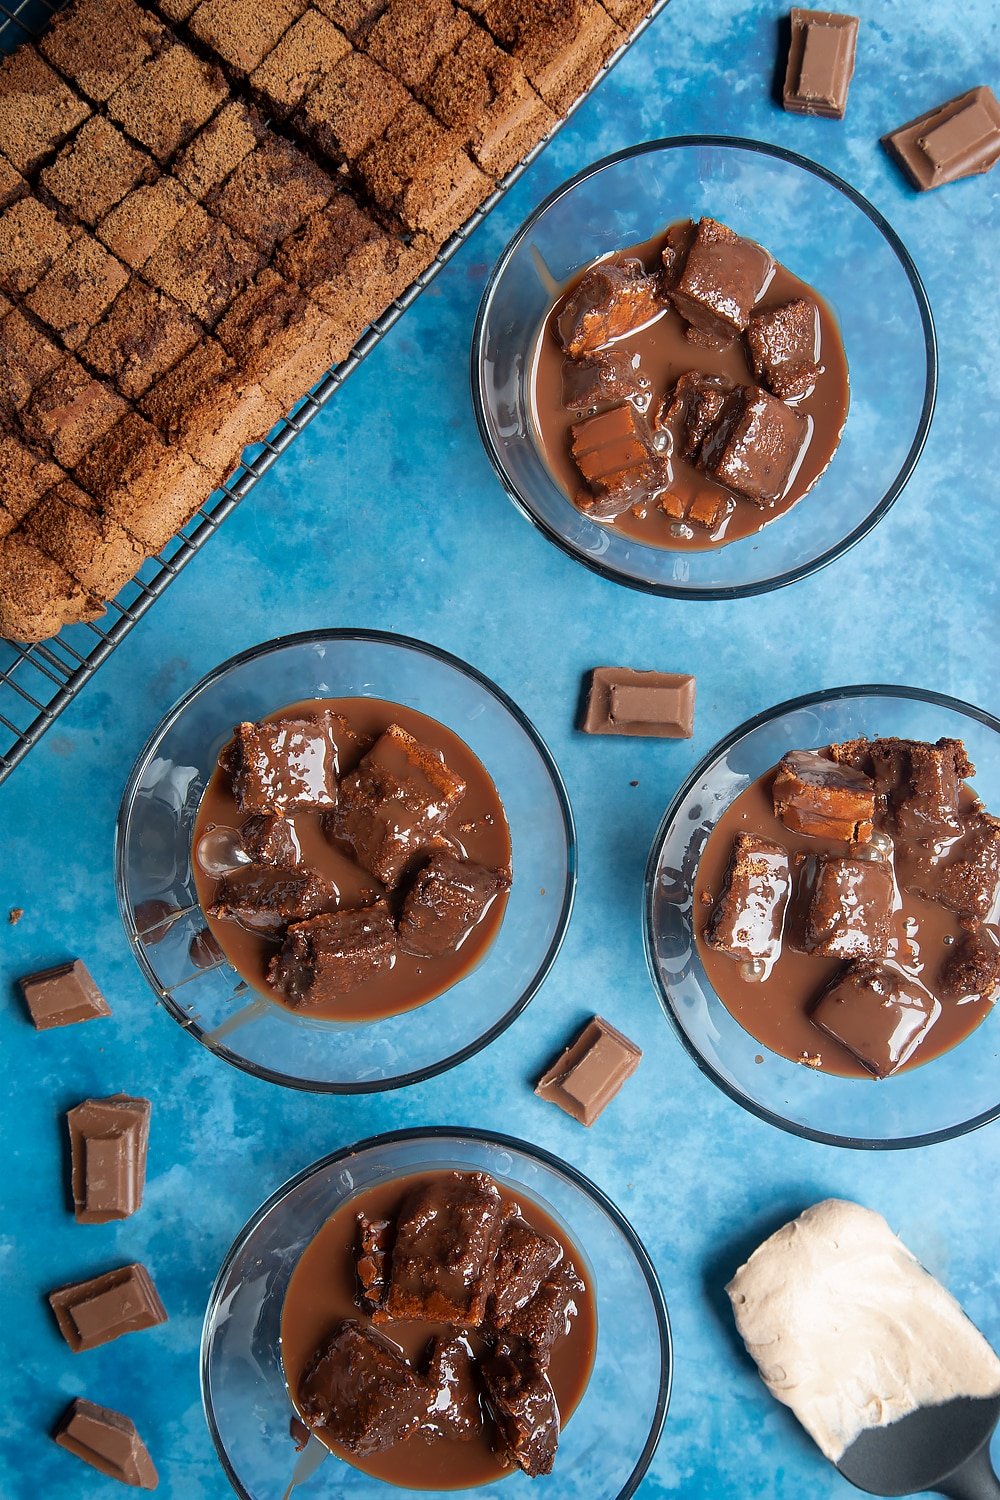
[
  {"x": 958, "y": 139},
  {"x": 587, "y": 1075},
  {"x": 63, "y": 995},
  {"x": 108, "y": 1140},
  {"x": 816, "y": 796},
  {"x": 877, "y": 1013},
  {"x": 653, "y": 705},
  {"x": 331, "y": 955},
  {"x": 820, "y": 63},
  {"x": 616, "y": 453},
  {"x": 105, "y": 1307},
  {"x": 749, "y": 914},
  {"x": 108, "y": 1441}
]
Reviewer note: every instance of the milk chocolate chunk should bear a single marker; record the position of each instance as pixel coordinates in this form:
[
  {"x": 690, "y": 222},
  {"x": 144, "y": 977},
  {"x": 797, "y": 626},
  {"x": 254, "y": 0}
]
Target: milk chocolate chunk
[
  {"x": 287, "y": 765},
  {"x": 819, "y": 797},
  {"x": 270, "y": 840},
  {"x": 330, "y": 955},
  {"x": 784, "y": 345},
  {"x": 585, "y": 1078},
  {"x": 108, "y": 1441},
  {"x": 454, "y": 1390},
  {"x": 442, "y": 1257},
  {"x": 546, "y": 1317},
  {"x": 755, "y": 446},
  {"x": 446, "y": 899},
  {"x": 109, "y": 1139},
  {"x": 62, "y": 996},
  {"x": 374, "y": 1243},
  {"x": 655, "y": 705},
  {"x": 750, "y": 911},
  {"x": 611, "y": 375},
  {"x": 692, "y": 409},
  {"x": 392, "y": 807},
  {"x": 969, "y": 880},
  {"x": 850, "y": 906},
  {"x": 360, "y": 1391},
  {"x": 958, "y": 139},
  {"x": 523, "y": 1406},
  {"x": 878, "y": 1013},
  {"x": 616, "y": 453},
  {"x": 524, "y": 1260},
  {"x": 264, "y": 898},
  {"x": 94, "y": 1312},
  {"x": 612, "y": 299},
  {"x": 722, "y": 278},
  {"x": 820, "y": 63},
  {"x": 972, "y": 969}
]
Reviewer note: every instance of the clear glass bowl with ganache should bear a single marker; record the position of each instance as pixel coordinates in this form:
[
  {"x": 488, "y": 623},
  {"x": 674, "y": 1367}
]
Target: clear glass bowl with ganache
[
  {"x": 688, "y": 390},
  {"x": 352, "y": 857},
  {"x": 845, "y": 906}
]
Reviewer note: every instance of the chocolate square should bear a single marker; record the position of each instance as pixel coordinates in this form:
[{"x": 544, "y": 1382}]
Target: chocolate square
[
  {"x": 877, "y": 1013},
  {"x": 755, "y": 446},
  {"x": 820, "y": 63},
  {"x": 37, "y": 109},
  {"x": 70, "y": 412},
  {"x": 138, "y": 225},
  {"x": 218, "y": 149},
  {"x": 612, "y": 299},
  {"x": 273, "y": 190},
  {"x": 77, "y": 290},
  {"x": 27, "y": 357},
  {"x": 815, "y": 795},
  {"x": 658, "y": 705},
  {"x": 395, "y": 804},
  {"x": 849, "y": 905},
  {"x": 109, "y": 1139},
  {"x": 94, "y": 171},
  {"x": 94, "y": 1312},
  {"x": 166, "y": 101},
  {"x": 31, "y": 239},
  {"x": 723, "y": 276},
  {"x": 327, "y": 957},
  {"x": 308, "y": 51},
  {"x": 203, "y": 265},
  {"x": 749, "y": 914},
  {"x": 411, "y": 37},
  {"x": 957, "y": 139},
  {"x": 241, "y": 32},
  {"x": 93, "y": 548},
  {"x": 446, "y": 899},
  {"x": 142, "y": 336},
  {"x": 97, "y": 44},
  {"x": 108, "y": 1442},
  {"x": 422, "y": 173},
  {"x": 588, "y": 1074},
  {"x": 350, "y": 108},
  {"x": 784, "y": 346},
  {"x": 62, "y": 996}
]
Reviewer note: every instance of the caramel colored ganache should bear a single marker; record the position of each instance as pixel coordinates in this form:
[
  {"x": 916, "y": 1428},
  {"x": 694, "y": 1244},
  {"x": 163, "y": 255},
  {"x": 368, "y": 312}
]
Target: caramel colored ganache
[
  {"x": 845, "y": 906},
  {"x": 439, "y": 1330},
  {"x": 352, "y": 857},
  {"x": 688, "y": 390}
]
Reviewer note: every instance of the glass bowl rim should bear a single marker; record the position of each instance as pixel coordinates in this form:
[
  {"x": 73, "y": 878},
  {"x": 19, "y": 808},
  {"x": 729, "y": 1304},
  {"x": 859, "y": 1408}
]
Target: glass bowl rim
[
  {"x": 668, "y": 590},
  {"x": 770, "y": 1117},
  {"x": 562, "y": 1168},
  {"x": 376, "y": 637}
]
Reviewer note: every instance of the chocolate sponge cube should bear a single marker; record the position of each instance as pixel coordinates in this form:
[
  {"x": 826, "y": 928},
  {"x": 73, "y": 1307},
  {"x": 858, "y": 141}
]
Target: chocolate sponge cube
[
  {"x": 27, "y": 475},
  {"x": 97, "y": 44},
  {"x": 784, "y": 346},
  {"x": 208, "y": 405},
  {"x": 285, "y": 766},
  {"x": 203, "y": 265},
  {"x": 137, "y": 226},
  {"x": 422, "y": 173},
  {"x": 94, "y": 171},
  {"x": 166, "y": 101},
  {"x": 70, "y": 412},
  {"x": 95, "y": 550},
  {"x": 150, "y": 489},
  {"x": 37, "y": 596},
  {"x": 38, "y": 110},
  {"x": 445, "y": 901},
  {"x": 849, "y": 906},
  {"x": 27, "y": 357},
  {"x": 242, "y": 32},
  {"x": 722, "y": 277},
  {"x": 271, "y": 192},
  {"x": 142, "y": 336},
  {"x": 218, "y": 149},
  {"x": 76, "y": 292},
  {"x": 354, "y": 17},
  {"x": 482, "y": 93},
  {"x": 411, "y": 37},
  {"x": 12, "y": 184},
  {"x": 749, "y": 914},
  {"x": 325, "y": 958},
  {"x": 611, "y": 299},
  {"x": 282, "y": 339},
  {"x": 350, "y": 108},
  {"x": 302, "y": 58},
  {"x": 814, "y": 795},
  {"x": 877, "y": 1013},
  {"x": 755, "y": 446},
  {"x": 31, "y": 238},
  {"x": 969, "y": 880}
]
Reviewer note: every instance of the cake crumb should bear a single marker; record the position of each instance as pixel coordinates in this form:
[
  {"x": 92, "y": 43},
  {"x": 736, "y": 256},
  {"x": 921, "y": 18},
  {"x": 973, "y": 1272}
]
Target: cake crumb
[{"x": 15, "y": 914}]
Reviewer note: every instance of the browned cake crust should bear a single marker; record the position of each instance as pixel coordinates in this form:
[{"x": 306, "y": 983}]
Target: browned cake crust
[{"x": 203, "y": 205}]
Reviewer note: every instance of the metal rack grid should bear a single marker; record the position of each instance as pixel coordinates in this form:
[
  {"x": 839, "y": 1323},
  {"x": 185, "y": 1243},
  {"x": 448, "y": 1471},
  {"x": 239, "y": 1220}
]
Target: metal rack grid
[{"x": 37, "y": 682}]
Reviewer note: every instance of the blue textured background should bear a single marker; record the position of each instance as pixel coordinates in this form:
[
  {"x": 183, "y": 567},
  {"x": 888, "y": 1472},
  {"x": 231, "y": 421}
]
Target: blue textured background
[{"x": 387, "y": 514}]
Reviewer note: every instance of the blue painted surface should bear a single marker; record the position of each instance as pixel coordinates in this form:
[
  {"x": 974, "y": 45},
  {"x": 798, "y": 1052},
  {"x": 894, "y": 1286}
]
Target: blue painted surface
[{"x": 387, "y": 514}]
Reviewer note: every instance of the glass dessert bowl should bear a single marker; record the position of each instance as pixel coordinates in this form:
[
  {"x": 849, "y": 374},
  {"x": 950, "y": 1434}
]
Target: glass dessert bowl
[
  {"x": 166, "y": 924},
  {"x": 805, "y": 216},
  {"x": 605, "y": 1447},
  {"x": 945, "y": 1096}
]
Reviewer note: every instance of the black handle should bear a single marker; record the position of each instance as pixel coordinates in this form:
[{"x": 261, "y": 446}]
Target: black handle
[{"x": 975, "y": 1480}]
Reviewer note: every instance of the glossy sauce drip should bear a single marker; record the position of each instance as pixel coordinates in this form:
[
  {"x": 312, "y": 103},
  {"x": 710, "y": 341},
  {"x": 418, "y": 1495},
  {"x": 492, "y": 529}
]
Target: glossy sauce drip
[
  {"x": 322, "y": 1292},
  {"x": 663, "y": 353},
  {"x": 476, "y": 830},
  {"x": 775, "y": 1009}
]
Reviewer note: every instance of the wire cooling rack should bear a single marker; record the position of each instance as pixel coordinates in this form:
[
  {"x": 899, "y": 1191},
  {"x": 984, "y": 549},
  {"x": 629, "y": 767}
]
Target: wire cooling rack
[{"x": 37, "y": 682}]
